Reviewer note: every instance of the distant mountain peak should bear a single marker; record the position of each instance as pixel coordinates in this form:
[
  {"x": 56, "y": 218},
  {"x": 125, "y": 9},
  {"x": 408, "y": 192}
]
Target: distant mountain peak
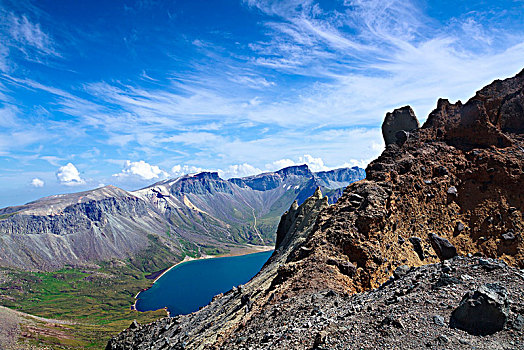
[
  {"x": 211, "y": 175},
  {"x": 295, "y": 170}
]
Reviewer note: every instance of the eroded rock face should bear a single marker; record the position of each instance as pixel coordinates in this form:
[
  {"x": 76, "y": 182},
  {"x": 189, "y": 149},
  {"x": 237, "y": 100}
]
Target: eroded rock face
[
  {"x": 407, "y": 198},
  {"x": 398, "y": 124}
]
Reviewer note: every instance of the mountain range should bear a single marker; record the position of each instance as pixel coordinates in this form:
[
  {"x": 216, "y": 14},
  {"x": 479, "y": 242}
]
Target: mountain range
[{"x": 190, "y": 215}]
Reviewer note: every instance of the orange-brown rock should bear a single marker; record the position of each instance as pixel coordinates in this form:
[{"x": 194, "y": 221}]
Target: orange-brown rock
[{"x": 460, "y": 177}]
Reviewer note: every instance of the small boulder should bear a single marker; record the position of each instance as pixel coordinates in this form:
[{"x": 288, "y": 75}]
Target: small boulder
[
  {"x": 444, "y": 249},
  {"x": 401, "y": 271},
  {"x": 345, "y": 267},
  {"x": 442, "y": 339},
  {"x": 391, "y": 321},
  {"x": 440, "y": 171},
  {"x": 439, "y": 320},
  {"x": 508, "y": 236},
  {"x": 518, "y": 323},
  {"x": 482, "y": 312},
  {"x": 401, "y": 119},
  {"x": 490, "y": 265},
  {"x": 320, "y": 339},
  {"x": 446, "y": 280}
]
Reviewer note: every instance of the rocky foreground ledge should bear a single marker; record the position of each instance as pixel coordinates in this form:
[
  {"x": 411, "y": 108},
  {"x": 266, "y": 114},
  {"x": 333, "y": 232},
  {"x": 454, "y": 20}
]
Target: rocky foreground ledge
[
  {"x": 438, "y": 193},
  {"x": 436, "y": 306},
  {"x": 423, "y": 307}
]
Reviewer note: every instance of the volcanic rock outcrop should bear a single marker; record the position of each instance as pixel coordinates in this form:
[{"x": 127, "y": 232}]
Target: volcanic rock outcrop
[
  {"x": 398, "y": 124},
  {"x": 452, "y": 187}
]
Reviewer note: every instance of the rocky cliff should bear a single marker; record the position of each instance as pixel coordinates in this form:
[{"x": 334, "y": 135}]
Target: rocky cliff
[
  {"x": 449, "y": 189},
  {"x": 193, "y": 214}
]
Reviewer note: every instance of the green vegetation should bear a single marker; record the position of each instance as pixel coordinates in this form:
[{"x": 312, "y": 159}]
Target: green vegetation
[
  {"x": 189, "y": 248},
  {"x": 214, "y": 250},
  {"x": 97, "y": 301},
  {"x": 5, "y": 216}
]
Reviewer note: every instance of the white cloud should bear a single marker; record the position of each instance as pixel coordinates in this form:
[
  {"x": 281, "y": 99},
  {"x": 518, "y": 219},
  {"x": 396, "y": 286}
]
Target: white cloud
[
  {"x": 142, "y": 170},
  {"x": 246, "y": 169},
  {"x": 280, "y": 164},
  {"x": 179, "y": 170},
  {"x": 31, "y": 35},
  {"x": 376, "y": 56},
  {"x": 36, "y": 182},
  {"x": 238, "y": 170},
  {"x": 235, "y": 170},
  {"x": 354, "y": 162},
  {"x": 68, "y": 175},
  {"x": 316, "y": 164}
]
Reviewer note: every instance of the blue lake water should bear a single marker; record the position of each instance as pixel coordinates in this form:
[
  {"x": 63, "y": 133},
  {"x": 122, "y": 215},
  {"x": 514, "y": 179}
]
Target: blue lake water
[{"x": 192, "y": 284}]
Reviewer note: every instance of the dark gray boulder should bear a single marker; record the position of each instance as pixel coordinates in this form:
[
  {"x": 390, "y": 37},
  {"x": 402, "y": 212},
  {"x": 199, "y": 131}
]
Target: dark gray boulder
[
  {"x": 482, "y": 312},
  {"x": 401, "y": 119},
  {"x": 444, "y": 249}
]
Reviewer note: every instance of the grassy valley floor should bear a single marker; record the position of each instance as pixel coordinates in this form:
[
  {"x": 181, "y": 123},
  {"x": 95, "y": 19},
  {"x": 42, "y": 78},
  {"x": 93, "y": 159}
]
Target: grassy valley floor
[{"x": 81, "y": 307}]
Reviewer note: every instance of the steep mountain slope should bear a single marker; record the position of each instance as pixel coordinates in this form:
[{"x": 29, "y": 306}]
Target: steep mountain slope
[
  {"x": 452, "y": 187},
  {"x": 194, "y": 214},
  {"x": 76, "y": 228}
]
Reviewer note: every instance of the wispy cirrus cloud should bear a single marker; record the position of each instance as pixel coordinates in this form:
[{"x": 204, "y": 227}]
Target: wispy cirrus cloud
[
  {"x": 30, "y": 35},
  {"x": 375, "y": 56},
  {"x": 21, "y": 34},
  {"x": 296, "y": 78}
]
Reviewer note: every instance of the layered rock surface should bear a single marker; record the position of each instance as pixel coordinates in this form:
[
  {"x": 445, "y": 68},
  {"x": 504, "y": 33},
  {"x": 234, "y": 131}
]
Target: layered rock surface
[{"x": 453, "y": 186}]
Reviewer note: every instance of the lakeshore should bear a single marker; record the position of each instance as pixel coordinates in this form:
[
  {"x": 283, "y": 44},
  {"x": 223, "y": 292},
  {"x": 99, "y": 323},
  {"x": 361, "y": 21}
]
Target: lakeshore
[{"x": 236, "y": 251}]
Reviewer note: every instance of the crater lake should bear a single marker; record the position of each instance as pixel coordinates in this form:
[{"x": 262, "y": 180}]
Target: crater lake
[{"x": 192, "y": 284}]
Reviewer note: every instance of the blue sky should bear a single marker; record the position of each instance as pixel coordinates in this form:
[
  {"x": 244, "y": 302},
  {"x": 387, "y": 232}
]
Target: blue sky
[{"x": 130, "y": 92}]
